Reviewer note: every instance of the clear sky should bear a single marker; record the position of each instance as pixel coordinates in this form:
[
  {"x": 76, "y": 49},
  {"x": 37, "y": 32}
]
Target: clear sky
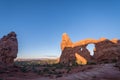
[{"x": 39, "y": 24}]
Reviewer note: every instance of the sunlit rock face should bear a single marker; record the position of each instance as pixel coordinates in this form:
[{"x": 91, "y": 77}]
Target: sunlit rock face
[
  {"x": 66, "y": 42},
  {"x": 80, "y": 59},
  {"x": 8, "y": 49},
  {"x": 78, "y": 53}
]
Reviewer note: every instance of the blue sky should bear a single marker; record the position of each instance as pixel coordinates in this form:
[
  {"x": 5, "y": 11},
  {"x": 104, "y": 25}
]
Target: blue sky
[{"x": 39, "y": 24}]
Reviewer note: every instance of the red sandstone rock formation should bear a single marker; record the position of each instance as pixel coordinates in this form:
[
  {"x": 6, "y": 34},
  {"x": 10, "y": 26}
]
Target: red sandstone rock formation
[
  {"x": 67, "y": 56},
  {"x": 66, "y": 42},
  {"x": 69, "y": 49},
  {"x": 104, "y": 50},
  {"x": 8, "y": 49},
  {"x": 80, "y": 59},
  {"x": 107, "y": 50}
]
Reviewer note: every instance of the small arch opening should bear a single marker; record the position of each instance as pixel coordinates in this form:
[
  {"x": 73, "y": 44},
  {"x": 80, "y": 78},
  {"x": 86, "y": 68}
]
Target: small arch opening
[
  {"x": 81, "y": 49},
  {"x": 91, "y": 48}
]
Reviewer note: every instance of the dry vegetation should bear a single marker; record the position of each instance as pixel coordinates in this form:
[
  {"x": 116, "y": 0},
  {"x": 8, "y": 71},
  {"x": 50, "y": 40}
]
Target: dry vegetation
[
  {"x": 49, "y": 67},
  {"x": 43, "y": 68}
]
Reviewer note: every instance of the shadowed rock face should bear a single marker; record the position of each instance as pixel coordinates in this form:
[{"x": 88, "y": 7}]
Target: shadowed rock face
[
  {"x": 107, "y": 50},
  {"x": 77, "y": 52},
  {"x": 8, "y": 49}
]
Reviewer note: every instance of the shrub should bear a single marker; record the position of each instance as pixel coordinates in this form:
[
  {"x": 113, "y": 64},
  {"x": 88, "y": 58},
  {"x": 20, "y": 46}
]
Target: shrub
[
  {"x": 34, "y": 69},
  {"x": 114, "y": 60},
  {"x": 58, "y": 66},
  {"x": 68, "y": 69},
  {"x": 24, "y": 69},
  {"x": 91, "y": 63},
  {"x": 45, "y": 70},
  {"x": 39, "y": 72}
]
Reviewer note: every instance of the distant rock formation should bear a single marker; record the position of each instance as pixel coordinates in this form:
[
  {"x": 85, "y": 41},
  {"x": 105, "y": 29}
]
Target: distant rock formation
[
  {"x": 8, "y": 49},
  {"x": 105, "y": 50}
]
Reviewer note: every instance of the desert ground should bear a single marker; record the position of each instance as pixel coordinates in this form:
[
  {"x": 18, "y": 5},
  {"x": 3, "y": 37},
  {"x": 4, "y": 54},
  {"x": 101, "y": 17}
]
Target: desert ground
[{"x": 49, "y": 69}]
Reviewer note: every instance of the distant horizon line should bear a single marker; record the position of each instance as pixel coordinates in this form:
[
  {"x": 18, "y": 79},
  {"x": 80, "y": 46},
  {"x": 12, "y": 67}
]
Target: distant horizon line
[{"x": 49, "y": 57}]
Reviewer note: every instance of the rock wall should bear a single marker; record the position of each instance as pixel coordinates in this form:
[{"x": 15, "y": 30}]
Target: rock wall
[
  {"x": 104, "y": 50},
  {"x": 107, "y": 50},
  {"x": 8, "y": 49}
]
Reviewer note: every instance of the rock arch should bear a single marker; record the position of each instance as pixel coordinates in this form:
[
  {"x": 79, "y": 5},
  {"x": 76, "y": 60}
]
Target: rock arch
[{"x": 104, "y": 50}]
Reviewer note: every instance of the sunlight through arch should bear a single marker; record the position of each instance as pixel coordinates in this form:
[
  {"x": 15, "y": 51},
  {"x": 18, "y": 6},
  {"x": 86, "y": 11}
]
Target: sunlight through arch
[{"x": 91, "y": 47}]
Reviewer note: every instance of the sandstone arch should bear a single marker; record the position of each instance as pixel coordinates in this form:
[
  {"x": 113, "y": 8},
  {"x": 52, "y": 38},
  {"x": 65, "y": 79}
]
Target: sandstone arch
[{"x": 104, "y": 50}]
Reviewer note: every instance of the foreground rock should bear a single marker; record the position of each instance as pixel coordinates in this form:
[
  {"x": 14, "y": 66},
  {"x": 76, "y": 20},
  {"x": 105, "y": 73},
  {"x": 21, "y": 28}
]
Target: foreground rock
[
  {"x": 8, "y": 49},
  {"x": 105, "y": 51},
  {"x": 100, "y": 72}
]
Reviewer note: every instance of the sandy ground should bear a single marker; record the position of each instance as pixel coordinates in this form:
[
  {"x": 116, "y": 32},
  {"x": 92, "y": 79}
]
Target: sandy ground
[{"x": 100, "y": 72}]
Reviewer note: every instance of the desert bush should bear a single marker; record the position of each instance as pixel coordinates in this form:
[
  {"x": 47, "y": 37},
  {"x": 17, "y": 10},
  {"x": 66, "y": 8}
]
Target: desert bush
[
  {"x": 94, "y": 76},
  {"x": 58, "y": 66},
  {"x": 34, "y": 69},
  {"x": 60, "y": 75},
  {"x": 24, "y": 69},
  {"x": 45, "y": 70},
  {"x": 114, "y": 60},
  {"x": 91, "y": 63},
  {"x": 74, "y": 64},
  {"x": 68, "y": 69},
  {"x": 39, "y": 72}
]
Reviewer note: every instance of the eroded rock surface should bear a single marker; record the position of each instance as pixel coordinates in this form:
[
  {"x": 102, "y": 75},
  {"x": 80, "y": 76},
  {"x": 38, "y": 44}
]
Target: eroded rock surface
[
  {"x": 8, "y": 49},
  {"x": 105, "y": 50}
]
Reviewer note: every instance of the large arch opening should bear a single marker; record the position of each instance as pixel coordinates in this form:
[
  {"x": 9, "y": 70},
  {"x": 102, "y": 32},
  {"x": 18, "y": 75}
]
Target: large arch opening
[{"x": 91, "y": 48}]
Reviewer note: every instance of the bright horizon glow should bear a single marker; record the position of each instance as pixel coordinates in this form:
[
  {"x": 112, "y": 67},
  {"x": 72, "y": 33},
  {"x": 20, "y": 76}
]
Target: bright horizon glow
[{"x": 39, "y": 24}]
